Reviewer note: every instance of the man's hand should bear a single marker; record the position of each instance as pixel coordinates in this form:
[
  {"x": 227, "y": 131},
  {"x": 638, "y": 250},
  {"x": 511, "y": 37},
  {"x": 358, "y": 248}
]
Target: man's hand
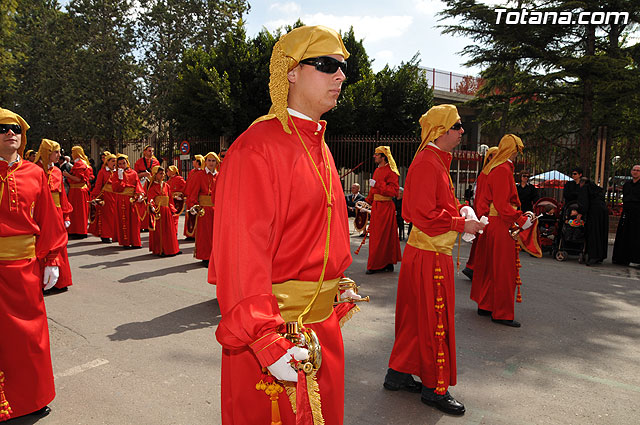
[
  {"x": 121, "y": 173},
  {"x": 282, "y": 369},
  {"x": 67, "y": 223},
  {"x": 51, "y": 275},
  {"x": 372, "y": 182},
  {"x": 473, "y": 226}
]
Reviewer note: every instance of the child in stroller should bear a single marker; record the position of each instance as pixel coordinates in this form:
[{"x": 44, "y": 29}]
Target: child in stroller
[
  {"x": 547, "y": 222},
  {"x": 572, "y": 238}
]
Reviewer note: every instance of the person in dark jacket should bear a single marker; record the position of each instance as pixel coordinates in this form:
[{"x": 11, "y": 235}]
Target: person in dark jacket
[
  {"x": 527, "y": 193},
  {"x": 571, "y": 188},
  {"x": 626, "y": 248},
  {"x": 591, "y": 204}
]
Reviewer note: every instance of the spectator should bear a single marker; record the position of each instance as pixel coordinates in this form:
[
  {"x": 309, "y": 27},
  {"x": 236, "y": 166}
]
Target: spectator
[
  {"x": 352, "y": 198},
  {"x": 571, "y": 188},
  {"x": 626, "y": 248},
  {"x": 527, "y": 193},
  {"x": 591, "y": 204}
]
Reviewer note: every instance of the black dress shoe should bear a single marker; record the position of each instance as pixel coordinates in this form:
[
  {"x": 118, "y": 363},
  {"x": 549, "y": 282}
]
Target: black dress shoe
[
  {"x": 371, "y": 271},
  {"x": 445, "y": 403},
  {"x": 388, "y": 268},
  {"x": 512, "y": 323},
  {"x": 189, "y": 238},
  {"x": 468, "y": 273},
  {"x": 105, "y": 240},
  {"x": 136, "y": 247},
  {"x": 41, "y": 413},
  {"x": 205, "y": 263},
  {"x": 395, "y": 381},
  {"x": 482, "y": 312}
]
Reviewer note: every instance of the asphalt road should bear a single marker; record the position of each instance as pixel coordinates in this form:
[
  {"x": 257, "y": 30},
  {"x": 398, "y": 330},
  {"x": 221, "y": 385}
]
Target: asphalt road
[{"x": 133, "y": 343}]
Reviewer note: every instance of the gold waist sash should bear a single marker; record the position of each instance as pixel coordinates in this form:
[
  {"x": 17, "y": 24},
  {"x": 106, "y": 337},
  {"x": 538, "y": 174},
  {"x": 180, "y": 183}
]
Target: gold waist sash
[
  {"x": 77, "y": 185},
  {"x": 128, "y": 191},
  {"x": 161, "y": 201},
  {"x": 442, "y": 244},
  {"x": 294, "y": 295},
  {"x": 18, "y": 247},
  {"x": 377, "y": 197},
  {"x": 56, "y": 198},
  {"x": 493, "y": 212},
  {"x": 205, "y": 201},
  {"x": 107, "y": 188}
]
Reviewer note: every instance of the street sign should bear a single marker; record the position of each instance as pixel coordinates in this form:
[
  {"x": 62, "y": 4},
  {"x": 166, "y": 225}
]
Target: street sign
[{"x": 185, "y": 147}]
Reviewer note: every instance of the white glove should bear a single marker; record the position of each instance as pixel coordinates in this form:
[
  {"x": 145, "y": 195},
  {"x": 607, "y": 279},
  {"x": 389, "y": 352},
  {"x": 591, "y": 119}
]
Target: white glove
[
  {"x": 527, "y": 224},
  {"x": 121, "y": 173},
  {"x": 349, "y": 293},
  {"x": 468, "y": 212},
  {"x": 140, "y": 198},
  {"x": 193, "y": 211},
  {"x": 67, "y": 223},
  {"x": 282, "y": 370},
  {"x": 51, "y": 275},
  {"x": 372, "y": 182}
]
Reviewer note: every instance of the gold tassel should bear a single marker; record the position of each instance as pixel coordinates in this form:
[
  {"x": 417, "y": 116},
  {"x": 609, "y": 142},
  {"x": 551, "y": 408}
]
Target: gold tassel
[
  {"x": 314, "y": 398},
  {"x": 279, "y": 86},
  {"x": 290, "y": 388},
  {"x": 349, "y": 315},
  {"x": 5, "y": 409},
  {"x": 518, "y": 280},
  {"x": 438, "y": 277},
  {"x": 271, "y": 388}
]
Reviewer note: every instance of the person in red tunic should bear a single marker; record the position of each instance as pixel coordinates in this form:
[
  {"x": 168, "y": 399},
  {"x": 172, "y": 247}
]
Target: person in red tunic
[
  {"x": 79, "y": 193},
  {"x": 480, "y": 210},
  {"x": 282, "y": 234},
  {"x": 48, "y": 155},
  {"x": 425, "y": 305},
  {"x": 198, "y": 163},
  {"x": 129, "y": 203},
  {"x": 200, "y": 195},
  {"x": 384, "y": 245},
  {"x": 496, "y": 275},
  {"x": 30, "y": 232},
  {"x": 177, "y": 187},
  {"x": 104, "y": 201},
  {"x": 163, "y": 236},
  {"x": 143, "y": 167}
]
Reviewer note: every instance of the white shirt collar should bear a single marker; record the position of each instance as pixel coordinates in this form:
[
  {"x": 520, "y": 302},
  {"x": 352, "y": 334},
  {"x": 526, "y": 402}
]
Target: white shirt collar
[
  {"x": 76, "y": 160},
  {"x": 12, "y": 162},
  {"x": 434, "y": 145},
  {"x": 300, "y": 115},
  {"x": 210, "y": 172}
]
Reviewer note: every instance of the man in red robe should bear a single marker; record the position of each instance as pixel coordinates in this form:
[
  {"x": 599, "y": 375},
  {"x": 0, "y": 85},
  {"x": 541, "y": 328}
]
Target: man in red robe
[
  {"x": 496, "y": 272},
  {"x": 282, "y": 234},
  {"x": 163, "y": 236},
  {"x": 200, "y": 204},
  {"x": 104, "y": 224},
  {"x": 425, "y": 304},
  {"x": 384, "y": 245},
  {"x": 480, "y": 210},
  {"x": 48, "y": 155},
  {"x": 143, "y": 167},
  {"x": 198, "y": 163},
  {"x": 79, "y": 193},
  {"x": 177, "y": 188},
  {"x": 30, "y": 232},
  {"x": 130, "y": 205}
]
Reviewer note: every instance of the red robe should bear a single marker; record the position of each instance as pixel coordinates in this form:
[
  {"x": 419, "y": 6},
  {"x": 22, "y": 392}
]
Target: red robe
[
  {"x": 203, "y": 188},
  {"x": 494, "y": 278},
  {"x": 56, "y": 186},
  {"x": 187, "y": 188},
  {"x": 177, "y": 184},
  {"x": 79, "y": 198},
  {"x": 272, "y": 228},
  {"x": 384, "y": 245},
  {"x": 105, "y": 222},
  {"x": 128, "y": 212},
  {"x": 26, "y": 208},
  {"x": 163, "y": 240},
  {"x": 428, "y": 203},
  {"x": 142, "y": 165}
]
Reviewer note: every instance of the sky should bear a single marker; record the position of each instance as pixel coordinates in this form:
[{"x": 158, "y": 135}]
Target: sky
[{"x": 392, "y": 30}]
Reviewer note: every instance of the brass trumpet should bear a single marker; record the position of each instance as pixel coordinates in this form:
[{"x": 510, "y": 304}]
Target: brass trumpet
[
  {"x": 97, "y": 201},
  {"x": 346, "y": 283},
  {"x": 308, "y": 339},
  {"x": 199, "y": 210},
  {"x": 515, "y": 230}
]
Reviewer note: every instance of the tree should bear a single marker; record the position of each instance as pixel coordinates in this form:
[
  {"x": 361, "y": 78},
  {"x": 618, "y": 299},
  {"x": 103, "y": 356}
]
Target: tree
[{"x": 7, "y": 51}]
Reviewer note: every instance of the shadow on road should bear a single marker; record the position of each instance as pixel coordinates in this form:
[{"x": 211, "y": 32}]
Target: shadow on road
[
  {"x": 182, "y": 268},
  {"x": 202, "y": 315}
]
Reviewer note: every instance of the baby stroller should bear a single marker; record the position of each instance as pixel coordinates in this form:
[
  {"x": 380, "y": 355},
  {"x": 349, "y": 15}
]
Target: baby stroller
[
  {"x": 548, "y": 223},
  {"x": 572, "y": 239}
]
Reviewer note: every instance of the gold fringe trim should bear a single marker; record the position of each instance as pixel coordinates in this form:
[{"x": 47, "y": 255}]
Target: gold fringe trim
[
  {"x": 314, "y": 398},
  {"x": 279, "y": 86},
  {"x": 349, "y": 315}
]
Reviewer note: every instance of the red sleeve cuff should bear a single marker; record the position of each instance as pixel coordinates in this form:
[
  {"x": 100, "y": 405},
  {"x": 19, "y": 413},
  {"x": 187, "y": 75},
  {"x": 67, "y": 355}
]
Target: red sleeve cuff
[
  {"x": 521, "y": 220},
  {"x": 457, "y": 224},
  {"x": 270, "y": 347}
]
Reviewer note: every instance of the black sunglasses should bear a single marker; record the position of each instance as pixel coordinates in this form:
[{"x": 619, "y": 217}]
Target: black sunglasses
[
  {"x": 4, "y": 128},
  {"x": 326, "y": 64},
  {"x": 456, "y": 126}
]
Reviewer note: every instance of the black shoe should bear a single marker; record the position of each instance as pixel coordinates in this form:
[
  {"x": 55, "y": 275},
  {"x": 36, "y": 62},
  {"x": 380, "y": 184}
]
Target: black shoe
[
  {"x": 105, "y": 240},
  {"x": 41, "y": 413},
  {"x": 395, "y": 381},
  {"x": 362, "y": 235},
  {"x": 144, "y": 230},
  {"x": 482, "y": 312},
  {"x": 468, "y": 273},
  {"x": 55, "y": 290},
  {"x": 512, "y": 323},
  {"x": 171, "y": 255},
  {"x": 189, "y": 238},
  {"x": 205, "y": 263},
  {"x": 445, "y": 403},
  {"x": 591, "y": 262},
  {"x": 371, "y": 271},
  {"x": 136, "y": 247},
  {"x": 388, "y": 268}
]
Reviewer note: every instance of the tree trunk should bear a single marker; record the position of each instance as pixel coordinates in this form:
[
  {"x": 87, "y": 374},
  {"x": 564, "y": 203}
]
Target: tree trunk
[{"x": 586, "y": 138}]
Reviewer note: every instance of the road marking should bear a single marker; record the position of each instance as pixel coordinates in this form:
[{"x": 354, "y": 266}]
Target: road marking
[
  {"x": 83, "y": 367},
  {"x": 619, "y": 277}
]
